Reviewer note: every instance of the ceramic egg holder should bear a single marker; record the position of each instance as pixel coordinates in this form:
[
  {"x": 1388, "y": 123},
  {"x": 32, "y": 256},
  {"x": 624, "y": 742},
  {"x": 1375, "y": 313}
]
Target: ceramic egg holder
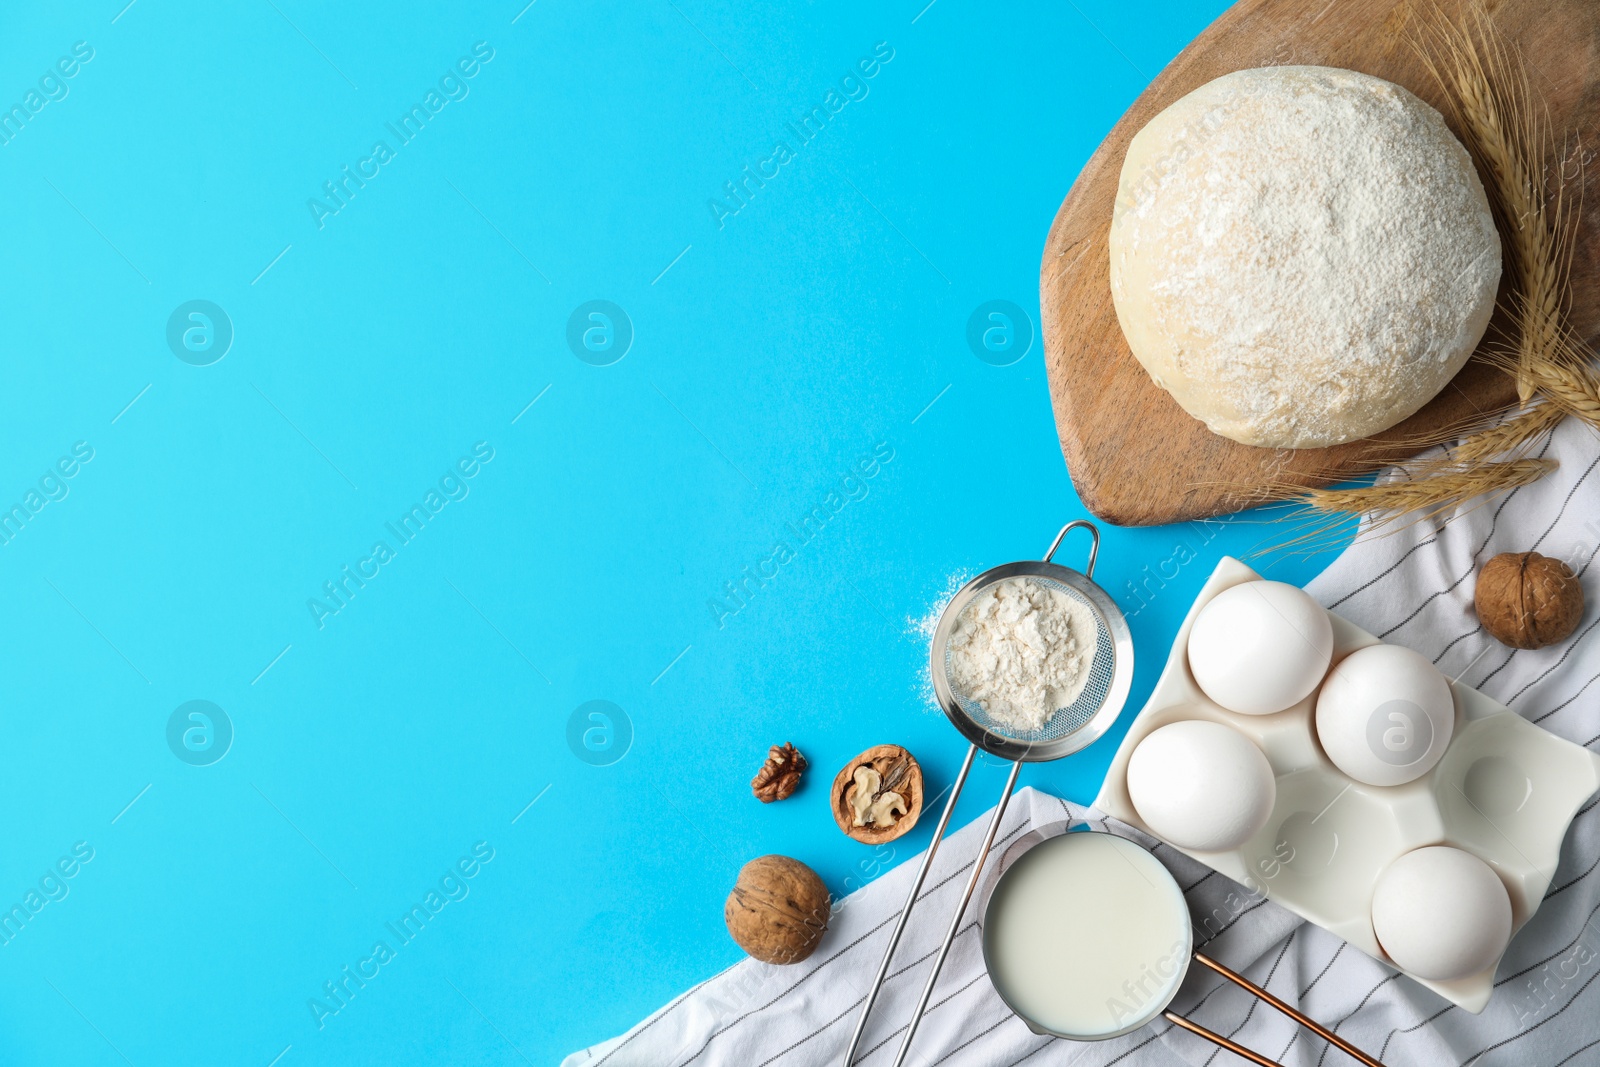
[{"x": 1504, "y": 790}]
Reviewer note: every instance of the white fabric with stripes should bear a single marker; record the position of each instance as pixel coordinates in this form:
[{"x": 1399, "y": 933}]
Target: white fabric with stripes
[{"x": 1413, "y": 588}]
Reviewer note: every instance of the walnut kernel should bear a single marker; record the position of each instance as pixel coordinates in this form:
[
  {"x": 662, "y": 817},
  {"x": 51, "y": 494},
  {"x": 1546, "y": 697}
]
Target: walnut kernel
[
  {"x": 780, "y": 775},
  {"x": 870, "y": 805}
]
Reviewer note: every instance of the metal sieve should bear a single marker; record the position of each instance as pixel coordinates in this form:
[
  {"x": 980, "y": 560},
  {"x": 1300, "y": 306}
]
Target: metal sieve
[
  {"x": 1066, "y": 731},
  {"x": 1078, "y": 724}
]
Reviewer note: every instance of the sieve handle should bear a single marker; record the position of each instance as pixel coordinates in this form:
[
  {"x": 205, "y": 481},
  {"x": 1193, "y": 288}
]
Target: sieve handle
[
  {"x": 905, "y": 912},
  {"x": 955, "y": 920},
  {"x": 1094, "y": 546}
]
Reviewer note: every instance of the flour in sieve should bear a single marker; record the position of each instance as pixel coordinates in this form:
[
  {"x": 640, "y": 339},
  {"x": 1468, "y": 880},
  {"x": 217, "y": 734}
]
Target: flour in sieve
[{"x": 1022, "y": 650}]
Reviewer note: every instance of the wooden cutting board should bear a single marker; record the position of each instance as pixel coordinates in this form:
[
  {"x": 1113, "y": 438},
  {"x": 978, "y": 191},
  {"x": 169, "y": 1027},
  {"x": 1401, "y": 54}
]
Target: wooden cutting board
[{"x": 1136, "y": 457}]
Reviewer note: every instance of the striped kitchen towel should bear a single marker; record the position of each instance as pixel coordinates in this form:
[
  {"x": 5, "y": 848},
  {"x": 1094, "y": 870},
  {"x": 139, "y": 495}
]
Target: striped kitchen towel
[{"x": 1414, "y": 588}]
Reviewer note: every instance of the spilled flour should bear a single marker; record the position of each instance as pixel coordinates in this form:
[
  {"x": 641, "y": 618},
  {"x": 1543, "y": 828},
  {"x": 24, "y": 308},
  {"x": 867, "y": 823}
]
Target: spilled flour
[
  {"x": 1022, "y": 650},
  {"x": 921, "y": 629}
]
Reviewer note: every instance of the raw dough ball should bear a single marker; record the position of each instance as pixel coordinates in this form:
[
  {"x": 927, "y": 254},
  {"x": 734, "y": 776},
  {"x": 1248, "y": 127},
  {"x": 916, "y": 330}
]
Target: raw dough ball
[
  {"x": 1201, "y": 785},
  {"x": 1260, "y": 647},
  {"x": 1301, "y": 256},
  {"x": 778, "y": 909},
  {"x": 1441, "y": 913},
  {"x": 1385, "y": 715}
]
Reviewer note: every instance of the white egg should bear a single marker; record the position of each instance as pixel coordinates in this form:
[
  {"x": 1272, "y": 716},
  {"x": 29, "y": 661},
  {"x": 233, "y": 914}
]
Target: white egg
[
  {"x": 1385, "y": 715},
  {"x": 1441, "y": 913},
  {"x": 1201, "y": 785},
  {"x": 1260, "y": 647}
]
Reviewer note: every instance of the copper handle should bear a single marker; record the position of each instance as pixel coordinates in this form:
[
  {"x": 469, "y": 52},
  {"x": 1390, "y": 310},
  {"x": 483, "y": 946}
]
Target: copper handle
[
  {"x": 1310, "y": 1024},
  {"x": 1217, "y": 1039}
]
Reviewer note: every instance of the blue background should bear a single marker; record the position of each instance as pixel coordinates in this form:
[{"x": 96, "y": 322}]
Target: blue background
[{"x": 772, "y": 349}]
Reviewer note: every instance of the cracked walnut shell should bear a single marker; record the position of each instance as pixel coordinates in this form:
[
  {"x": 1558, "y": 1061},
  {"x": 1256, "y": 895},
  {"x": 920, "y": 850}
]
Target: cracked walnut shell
[
  {"x": 780, "y": 775},
  {"x": 877, "y": 797},
  {"x": 778, "y": 909},
  {"x": 1526, "y": 600}
]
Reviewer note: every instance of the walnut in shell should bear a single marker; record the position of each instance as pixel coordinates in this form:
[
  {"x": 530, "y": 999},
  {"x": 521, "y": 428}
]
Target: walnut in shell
[
  {"x": 877, "y": 797},
  {"x": 778, "y": 909},
  {"x": 1526, "y": 600}
]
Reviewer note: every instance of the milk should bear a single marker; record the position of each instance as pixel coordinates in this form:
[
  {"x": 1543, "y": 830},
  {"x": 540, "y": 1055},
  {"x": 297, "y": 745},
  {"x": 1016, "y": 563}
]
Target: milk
[{"x": 1087, "y": 935}]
